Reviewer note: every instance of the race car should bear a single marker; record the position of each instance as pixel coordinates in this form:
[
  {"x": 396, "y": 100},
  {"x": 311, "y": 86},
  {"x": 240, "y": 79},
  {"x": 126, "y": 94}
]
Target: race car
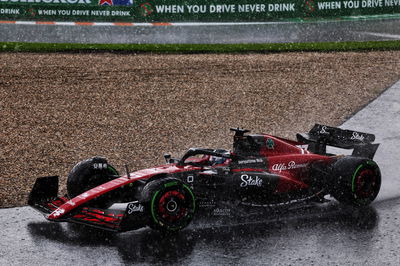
[{"x": 261, "y": 171}]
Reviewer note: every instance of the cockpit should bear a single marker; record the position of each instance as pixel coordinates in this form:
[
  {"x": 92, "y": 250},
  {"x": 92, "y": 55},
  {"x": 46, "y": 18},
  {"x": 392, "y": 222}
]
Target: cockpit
[
  {"x": 205, "y": 157},
  {"x": 217, "y": 160}
]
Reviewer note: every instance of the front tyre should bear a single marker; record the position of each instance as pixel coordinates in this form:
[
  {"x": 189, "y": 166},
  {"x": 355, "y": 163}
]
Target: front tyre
[
  {"x": 88, "y": 174},
  {"x": 357, "y": 181},
  {"x": 171, "y": 204}
]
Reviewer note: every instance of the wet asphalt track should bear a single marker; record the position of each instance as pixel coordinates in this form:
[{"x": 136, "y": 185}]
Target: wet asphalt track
[
  {"x": 329, "y": 31},
  {"x": 324, "y": 234}
]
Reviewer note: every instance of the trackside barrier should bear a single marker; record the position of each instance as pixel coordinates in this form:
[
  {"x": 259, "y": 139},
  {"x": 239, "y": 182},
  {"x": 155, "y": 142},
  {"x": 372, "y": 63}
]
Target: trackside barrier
[{"x": 190, "y": 10}]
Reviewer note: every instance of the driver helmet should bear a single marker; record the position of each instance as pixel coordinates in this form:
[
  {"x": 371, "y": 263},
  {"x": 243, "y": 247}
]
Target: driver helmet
[{"x": 217, "y": 159}]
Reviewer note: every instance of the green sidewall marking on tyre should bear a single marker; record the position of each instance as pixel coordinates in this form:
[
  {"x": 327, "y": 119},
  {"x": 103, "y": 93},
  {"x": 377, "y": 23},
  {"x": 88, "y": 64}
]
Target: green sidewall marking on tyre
[
  {"x": 353, "y": 185},
  {"x": 171, "y": 184},
  {"x": 191, "y": 193},
  {"x": 112, "y": 169},
  {"x": 152, "y": 207}
]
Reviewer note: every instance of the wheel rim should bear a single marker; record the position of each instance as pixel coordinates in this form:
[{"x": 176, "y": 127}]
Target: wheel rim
[
  {"x": 172, "y": 206},
  {"x": 365, "y": 184}
]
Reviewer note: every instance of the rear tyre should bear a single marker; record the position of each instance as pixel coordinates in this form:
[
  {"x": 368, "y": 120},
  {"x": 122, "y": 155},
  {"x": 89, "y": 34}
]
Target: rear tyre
[
  {"x": 357, "y": 181},
  {"x": 171, "y": 204},
  {"x": 88, "y": 174}
]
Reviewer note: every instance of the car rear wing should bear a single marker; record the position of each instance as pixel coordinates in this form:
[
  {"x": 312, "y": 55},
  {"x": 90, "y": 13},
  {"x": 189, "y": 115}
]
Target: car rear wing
[{"x": 321, "y": 136}]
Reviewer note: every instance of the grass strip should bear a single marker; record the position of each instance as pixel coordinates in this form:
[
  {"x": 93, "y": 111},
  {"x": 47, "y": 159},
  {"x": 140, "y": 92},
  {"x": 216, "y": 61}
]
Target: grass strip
[{"x": 199, "y": 48}]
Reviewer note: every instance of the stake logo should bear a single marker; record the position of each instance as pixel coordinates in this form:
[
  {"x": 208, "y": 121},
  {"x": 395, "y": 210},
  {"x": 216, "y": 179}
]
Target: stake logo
[
  {"x": 323, "y": 130},
  {"x": 357, "y": 136},
  {"x": 250, "y": 181},
  {"x": 135, "y": 207}
]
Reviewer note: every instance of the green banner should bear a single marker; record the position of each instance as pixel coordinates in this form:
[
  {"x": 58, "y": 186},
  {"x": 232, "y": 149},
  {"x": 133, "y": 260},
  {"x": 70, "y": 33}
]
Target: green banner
[{"x": 189, "y": 11}]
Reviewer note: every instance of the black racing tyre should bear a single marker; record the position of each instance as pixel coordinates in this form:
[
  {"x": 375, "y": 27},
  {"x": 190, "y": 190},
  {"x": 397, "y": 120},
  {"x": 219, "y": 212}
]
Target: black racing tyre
[
  {"x": 170, "y": 203},
  {"x": 356, "y": 181},
  {"x": 88, "y": 174}
]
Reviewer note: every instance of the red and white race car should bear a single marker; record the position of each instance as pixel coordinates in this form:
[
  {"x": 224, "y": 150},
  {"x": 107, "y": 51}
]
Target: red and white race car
[{"x": 261, "y": 170}]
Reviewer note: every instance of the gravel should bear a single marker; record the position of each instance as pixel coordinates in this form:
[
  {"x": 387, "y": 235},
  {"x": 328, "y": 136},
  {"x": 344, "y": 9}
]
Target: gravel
[{"x": 57, "y": 109}]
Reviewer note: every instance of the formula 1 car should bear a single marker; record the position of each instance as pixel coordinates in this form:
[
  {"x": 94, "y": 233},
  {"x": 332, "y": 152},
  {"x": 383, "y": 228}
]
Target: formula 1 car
[{"x": 261, "y": 170}]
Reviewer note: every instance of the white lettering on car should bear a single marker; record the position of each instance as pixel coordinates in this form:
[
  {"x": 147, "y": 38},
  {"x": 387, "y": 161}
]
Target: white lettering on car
[
  {"x": 357, "y": 136},
  {"x": 135, "y": 207},
  {"x": 58, "y": 212},
  {"x": 84, "y": 195},
  {"x": 221, "y": 212},
  {"x": 250, "y": 161},
  {"x": 250, "y": 181},
  {"x": 100, "y": 166},
  {"x": 323, "y": 130},
  {"x": 279, "y": 167}
]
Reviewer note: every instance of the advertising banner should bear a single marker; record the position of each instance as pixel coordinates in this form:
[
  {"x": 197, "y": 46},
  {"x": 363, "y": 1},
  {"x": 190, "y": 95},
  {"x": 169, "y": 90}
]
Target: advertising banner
[{"x": 189, "y": 10}]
